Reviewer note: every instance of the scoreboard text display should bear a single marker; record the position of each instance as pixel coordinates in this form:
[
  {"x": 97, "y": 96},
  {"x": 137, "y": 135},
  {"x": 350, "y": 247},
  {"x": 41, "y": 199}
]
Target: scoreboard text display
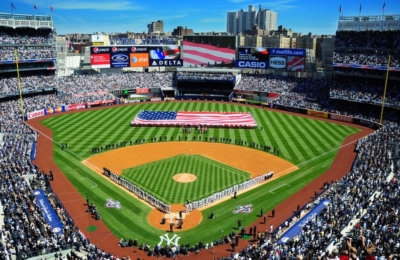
[
  {"x": 252, "y": 57},
  {"x": 135, "y": 56}
]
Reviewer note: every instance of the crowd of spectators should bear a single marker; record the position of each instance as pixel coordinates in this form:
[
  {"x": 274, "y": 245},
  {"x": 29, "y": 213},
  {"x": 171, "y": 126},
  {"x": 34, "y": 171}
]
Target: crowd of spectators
[
  {"x": 365, "y": 58},
  {"x": 183, "y": 75},
  {"x": 368, "y": 39},
  {"x": 27, "y": 53},
  {"x": 77, "y": 84},
  {"x": 26, "y": 36},
  {"x": 365, "y": 90},
  {"x": 29, "y": 43},
  {"x": 29, "y": 82},
  {"x": 266, "y": 83}
]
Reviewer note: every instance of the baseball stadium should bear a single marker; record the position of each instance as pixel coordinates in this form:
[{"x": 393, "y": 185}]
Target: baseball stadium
[{"x": 201, "y": 150}]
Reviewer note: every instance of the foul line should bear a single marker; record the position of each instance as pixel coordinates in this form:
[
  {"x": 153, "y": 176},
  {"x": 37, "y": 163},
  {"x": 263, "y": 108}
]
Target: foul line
[{"x": 279, "y": 187}]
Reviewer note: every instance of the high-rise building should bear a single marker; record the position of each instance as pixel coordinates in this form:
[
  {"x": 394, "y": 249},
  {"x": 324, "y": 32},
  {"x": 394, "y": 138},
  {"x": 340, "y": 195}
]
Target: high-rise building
[
  {"x": 156, "y": 27},
  {"x": 239, "y": 22}
]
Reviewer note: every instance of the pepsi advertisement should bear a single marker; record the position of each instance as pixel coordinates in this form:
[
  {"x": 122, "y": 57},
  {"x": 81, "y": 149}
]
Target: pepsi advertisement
[
  {"x": 252, "y": 57},
  {"x": 119, "y": 57}
]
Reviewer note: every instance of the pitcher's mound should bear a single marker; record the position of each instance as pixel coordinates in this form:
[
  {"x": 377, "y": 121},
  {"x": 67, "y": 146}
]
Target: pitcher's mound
[{"x": 184, "y": 177}]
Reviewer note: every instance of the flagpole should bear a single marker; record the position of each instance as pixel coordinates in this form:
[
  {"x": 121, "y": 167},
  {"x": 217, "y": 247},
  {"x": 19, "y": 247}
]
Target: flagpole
[{"x": 384, "y": 91}]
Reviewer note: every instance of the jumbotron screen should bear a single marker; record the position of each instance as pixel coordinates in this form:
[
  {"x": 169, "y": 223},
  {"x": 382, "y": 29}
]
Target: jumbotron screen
[
  {"x": 252, "y": 57},
  {"x": 135, "y": 56},
  {"x": 209, "y": 51}
]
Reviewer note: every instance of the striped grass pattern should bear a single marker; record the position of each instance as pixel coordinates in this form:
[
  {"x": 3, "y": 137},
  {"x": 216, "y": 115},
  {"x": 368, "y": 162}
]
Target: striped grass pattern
[
  {"x": 156, "y": 178},
  {"x": 310, "y": 144}
]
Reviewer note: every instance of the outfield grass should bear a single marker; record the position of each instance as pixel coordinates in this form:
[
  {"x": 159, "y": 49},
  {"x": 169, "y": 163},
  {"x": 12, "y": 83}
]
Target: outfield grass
[
  {"x": 309, "y": 144},
  {"x": 157, "y": 178}
]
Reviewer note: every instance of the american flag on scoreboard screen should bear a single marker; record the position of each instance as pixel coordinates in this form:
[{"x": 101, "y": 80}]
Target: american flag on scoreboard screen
[
  {"x": 295, "y": 63},
  {"x": 147, "y": 117},
  {"x": 169, "y": 52},
  {"x": 204, "y": 54}
]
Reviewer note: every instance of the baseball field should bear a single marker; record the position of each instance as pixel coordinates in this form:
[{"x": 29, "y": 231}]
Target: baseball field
[{"x": 307, "y": 149}]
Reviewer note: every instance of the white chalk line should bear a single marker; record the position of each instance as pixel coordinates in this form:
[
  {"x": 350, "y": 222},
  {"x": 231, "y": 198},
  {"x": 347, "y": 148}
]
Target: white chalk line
[{"x": 280, "y": 186}]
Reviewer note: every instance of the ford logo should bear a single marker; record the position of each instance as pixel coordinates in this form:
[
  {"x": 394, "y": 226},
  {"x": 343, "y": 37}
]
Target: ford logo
[{"x": 120, "y": 58}]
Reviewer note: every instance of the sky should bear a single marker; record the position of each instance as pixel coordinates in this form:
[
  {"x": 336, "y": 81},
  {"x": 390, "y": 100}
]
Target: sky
[{"x": 90, "y": 16}]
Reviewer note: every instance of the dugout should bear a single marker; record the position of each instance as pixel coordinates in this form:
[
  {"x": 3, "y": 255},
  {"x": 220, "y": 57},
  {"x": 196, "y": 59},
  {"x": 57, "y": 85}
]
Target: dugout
[{"x": 205, "y": 83}]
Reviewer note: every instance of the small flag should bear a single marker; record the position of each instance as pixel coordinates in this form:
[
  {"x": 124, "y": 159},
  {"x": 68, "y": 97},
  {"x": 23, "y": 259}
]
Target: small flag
[
  {"x": 384, "y": 5},
  {"x": 13, "y": 6},
  {"x": 34, "y": 7},
  {"x": 51, "y": 8},
  {"x": 340, "y": 9}
]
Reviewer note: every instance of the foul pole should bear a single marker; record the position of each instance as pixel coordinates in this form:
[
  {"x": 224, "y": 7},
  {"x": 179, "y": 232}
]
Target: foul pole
[
  {"x": 384, "y": 91},
  {"x": 19, "y": 84}
]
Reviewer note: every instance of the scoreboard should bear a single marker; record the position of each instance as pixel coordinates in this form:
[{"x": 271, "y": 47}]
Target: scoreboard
[
  {"x": 252, "y": 57},
  {"x": 135, "y": 56},
  {"x": 271, "y": 58}
]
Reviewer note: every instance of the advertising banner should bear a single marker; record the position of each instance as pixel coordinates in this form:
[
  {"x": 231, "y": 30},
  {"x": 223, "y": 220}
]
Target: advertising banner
[
  {"x": 287, "y": 52},
  {"x": 97, "y": 43},
  {"x": 277, "y": 62},
  {"x": 139, "y": 59},
  {"x": 100, "y": 57},
  {"x": 142, "y": 90},
  {"x": 167, "y": 63},
  {"x": 139, "y": 49},
  {"x": 295, "y": 63},
  {"x": 35, "y": 114},
  {"x": 100, "y": 60},
  {"x": 252, "y": 57},
  {"x": 296, "y": 228},
  {"x": 341, "y": 118},
  {"x": 53, "y": 110},
  {"x": 367, "y": 67},
  {"x": 317, "y": 113},
  {"x": 97, "y": 38},
  {"x": 119, "y": 57},
  {"x": 74, "y": 107},
  {"x": 94, "y": 103},
  {"x": 33, "y": 151},
  {"x": 48, "y": 212}
]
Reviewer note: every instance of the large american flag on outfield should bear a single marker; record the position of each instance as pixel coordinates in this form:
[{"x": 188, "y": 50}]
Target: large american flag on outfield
[{"x": 148, "y": 117}]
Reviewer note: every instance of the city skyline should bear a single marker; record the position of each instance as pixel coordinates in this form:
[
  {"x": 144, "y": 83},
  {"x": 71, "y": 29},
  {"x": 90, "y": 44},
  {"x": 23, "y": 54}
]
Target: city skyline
[{"x": 88, "y": 16}]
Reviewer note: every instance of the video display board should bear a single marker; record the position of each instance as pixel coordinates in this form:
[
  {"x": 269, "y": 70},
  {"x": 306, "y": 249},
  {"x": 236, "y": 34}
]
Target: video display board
[
  {"x": 209, "y": 51},
  {"x": 167, "y": 55},
  {"x": 252, "y": 57},
  {"x": 100, "y": 57},
  {"x": 135, "y": 56},
  {"x": 287, "y": 59}
]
